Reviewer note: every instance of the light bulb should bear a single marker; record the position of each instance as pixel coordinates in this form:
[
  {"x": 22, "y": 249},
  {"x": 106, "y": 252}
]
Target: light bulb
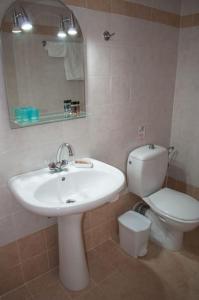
[
  {"x": 72, "y": 31},
  {"x": 26, "y": 26},
  {"x": 16, "y": 30},
  {"x": 61, "y": 34}
]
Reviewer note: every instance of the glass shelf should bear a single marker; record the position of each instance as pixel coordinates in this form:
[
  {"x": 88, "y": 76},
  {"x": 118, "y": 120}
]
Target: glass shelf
[{"x": 48, "y": 118}]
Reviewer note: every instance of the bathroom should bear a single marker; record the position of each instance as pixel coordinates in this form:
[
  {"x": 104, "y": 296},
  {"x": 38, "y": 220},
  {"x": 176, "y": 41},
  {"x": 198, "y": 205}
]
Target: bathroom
[{"x": 140, "y": 89}]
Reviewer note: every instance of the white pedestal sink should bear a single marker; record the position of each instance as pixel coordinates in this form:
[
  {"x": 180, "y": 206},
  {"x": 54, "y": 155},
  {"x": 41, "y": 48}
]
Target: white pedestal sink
[
  {"x": 68, "y": 195},
  {"x": 71, "y": 253}
]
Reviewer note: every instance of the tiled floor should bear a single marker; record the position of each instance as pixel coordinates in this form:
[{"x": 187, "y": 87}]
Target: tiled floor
[{"x": 114, "y": 275}]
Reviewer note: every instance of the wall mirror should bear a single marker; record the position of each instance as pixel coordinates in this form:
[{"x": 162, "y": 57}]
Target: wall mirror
[{"x": 43, "y": 58}]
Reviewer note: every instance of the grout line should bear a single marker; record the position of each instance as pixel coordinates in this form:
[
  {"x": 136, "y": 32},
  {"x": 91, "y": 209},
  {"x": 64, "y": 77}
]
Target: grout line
[
  {"x": 46, "y": 247},
  {"x": 13, "y": 290},
  {"x": 20, "y": 260},
  {"x": 97, "y": 226},
  {"x": 36, "y": 278}
]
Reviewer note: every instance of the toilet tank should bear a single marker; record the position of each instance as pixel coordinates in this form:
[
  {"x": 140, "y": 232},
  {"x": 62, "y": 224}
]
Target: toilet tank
[{"x": 146, "y": 169}]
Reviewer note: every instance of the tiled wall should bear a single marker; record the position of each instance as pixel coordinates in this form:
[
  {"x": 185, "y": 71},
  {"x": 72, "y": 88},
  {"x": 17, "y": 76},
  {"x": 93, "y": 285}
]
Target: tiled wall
[
  {"x": 130, "y": 82},
  {"x": 156, "y": 11},
  {"x": 185, "y": 133},
  {"x": 177, "y": 13},
  {"x": 29, "y": 257},
  {"x": 181, "y": 186},
  {"x": 189, "y": 7}
]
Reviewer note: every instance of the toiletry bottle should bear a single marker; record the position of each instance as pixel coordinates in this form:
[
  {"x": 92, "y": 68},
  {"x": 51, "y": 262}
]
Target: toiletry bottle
[
  {"x": 74, "y": 108},
  {"x": 78, "y": 108},
  {"x": 67, "y": 107}
]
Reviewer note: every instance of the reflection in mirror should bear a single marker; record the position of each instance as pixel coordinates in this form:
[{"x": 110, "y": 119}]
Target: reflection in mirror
[{"x": 43, "y": 59}]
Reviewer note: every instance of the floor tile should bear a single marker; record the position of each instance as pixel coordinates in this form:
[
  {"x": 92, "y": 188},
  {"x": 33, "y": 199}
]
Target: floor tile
[
  {"x": 99, "y": 268},
  {"x": 111, "y": 253},
  {"x": 76, "y": 295},
  {"x": 56, "y": 292},
  {"x": 116, "y": 287},
  {"x": 18, "y": 294},
  {"x": 160, "y": 275},
  {"x": 43, "y": 283},
  {"x": 94, "y": 294}
]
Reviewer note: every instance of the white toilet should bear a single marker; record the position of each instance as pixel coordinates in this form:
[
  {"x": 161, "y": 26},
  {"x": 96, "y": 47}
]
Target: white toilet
[{"x": 172, "y": 213}]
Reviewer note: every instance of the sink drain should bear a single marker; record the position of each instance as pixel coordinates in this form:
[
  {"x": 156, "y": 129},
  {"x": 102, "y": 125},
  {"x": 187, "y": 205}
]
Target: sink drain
[{"x": 70, "y": 201}]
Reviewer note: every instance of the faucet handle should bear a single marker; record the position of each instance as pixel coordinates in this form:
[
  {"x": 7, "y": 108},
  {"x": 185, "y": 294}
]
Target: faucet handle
[
  {"x": 64, "y": 163},
  {"x": 58, "y": 166},
  {"x": 52, "y": 166}
]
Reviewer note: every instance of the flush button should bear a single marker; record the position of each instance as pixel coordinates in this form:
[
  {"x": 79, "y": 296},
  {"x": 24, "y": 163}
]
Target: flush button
[{"x": 130, "y": 162}]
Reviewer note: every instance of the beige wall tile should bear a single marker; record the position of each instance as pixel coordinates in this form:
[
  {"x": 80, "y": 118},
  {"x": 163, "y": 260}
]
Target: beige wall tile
[
  {"x": 80, "y": 3},
  {"x": 31, "y": 245},
  {"x": 35, "y": 266},
  {"x": 9, "y": 257},
  {"x": 159, "y": 16},
  {"x": 51, "y": 236},
  {"x": 88, "y": 240},
  {"x": 119, "y": 7},
  {"x": 183, "y": 187},
  {"x": 53, "y": 257},
  {"x": 174, "y": 20},
  {"x": 125, "y": 203},
  {"x": 97, "y": 235},
  {"x": 196, "y": 19},
  {"x": 86, "y": 221},
  {"x": 191, "y": 242},
  {"x": 7, "y": 230},
  {"x": 99, "y": 216},
  {"x": 169, "y": 5},
  {"x": 186, "y": 21},
  {"x": 131, "y": 9},
  {"x": 11, "y": 279},
  {"x": 144, "y": 12},
  {"x": 189, "y": 7},
  {"x": 102, "y": 5},
  {"x": 114, "y": 229}
]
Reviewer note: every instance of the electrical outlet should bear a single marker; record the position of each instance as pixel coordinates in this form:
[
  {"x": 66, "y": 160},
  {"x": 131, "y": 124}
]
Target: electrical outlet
[{"x": 141, "y": 132}]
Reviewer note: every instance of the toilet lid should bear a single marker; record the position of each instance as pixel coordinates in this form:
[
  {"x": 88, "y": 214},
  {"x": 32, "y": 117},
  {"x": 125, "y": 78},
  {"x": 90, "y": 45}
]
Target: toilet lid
[{"x": 174, "y": 204}]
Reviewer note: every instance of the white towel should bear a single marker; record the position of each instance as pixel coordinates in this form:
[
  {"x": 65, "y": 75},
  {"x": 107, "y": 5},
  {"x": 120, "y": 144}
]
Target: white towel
[
  {"x": 73, "y": 55},
  {"x": 56, "y": 49},
  {"x": 74, "y": 61}
]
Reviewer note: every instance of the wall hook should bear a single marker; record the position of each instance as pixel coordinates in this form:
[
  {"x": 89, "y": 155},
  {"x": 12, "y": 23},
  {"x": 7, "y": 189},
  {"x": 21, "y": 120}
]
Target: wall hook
[{"x": 108, "y": 35}]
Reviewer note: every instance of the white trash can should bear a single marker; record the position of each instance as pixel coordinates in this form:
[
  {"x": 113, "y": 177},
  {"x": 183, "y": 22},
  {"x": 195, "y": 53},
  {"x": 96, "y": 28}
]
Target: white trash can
[{"x": 134, "y": 230}]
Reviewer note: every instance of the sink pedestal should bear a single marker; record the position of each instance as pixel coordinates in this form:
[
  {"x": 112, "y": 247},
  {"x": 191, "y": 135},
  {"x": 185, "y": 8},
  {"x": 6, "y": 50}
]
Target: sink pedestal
[{"x": 73, "y": 268}]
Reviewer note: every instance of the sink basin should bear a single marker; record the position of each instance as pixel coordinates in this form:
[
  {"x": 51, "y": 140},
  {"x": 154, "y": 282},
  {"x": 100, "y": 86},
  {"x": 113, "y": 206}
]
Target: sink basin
[
  {"x": 69, "y": 192},
  {"x": 68, "y": 195}
]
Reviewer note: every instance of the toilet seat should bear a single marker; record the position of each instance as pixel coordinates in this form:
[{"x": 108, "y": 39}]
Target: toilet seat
[{"x": 174, "y": 205}]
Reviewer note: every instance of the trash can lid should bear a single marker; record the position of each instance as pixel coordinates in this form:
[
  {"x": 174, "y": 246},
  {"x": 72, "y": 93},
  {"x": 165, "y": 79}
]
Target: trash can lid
[{"x": 134, "y": 221}]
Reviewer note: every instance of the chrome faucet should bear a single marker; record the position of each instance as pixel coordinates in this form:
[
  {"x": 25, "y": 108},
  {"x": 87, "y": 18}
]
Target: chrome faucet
[{"x": 60, "y": 164}]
